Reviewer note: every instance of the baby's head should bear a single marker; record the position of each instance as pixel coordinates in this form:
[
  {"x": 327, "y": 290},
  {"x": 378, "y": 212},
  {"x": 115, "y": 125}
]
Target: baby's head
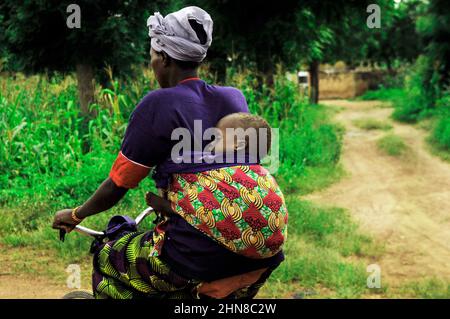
[{"x": 243, "y": 132}]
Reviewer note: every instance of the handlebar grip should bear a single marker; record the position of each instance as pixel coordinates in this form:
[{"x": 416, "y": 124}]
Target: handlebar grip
[{"x": 91, "y": 232}]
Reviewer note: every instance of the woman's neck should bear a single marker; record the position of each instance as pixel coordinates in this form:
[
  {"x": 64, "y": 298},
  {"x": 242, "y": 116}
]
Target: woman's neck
[{"x": 180, "y": 75}]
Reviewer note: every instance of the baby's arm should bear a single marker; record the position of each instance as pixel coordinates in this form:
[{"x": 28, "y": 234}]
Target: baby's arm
[{"x": 159, "y": 204}]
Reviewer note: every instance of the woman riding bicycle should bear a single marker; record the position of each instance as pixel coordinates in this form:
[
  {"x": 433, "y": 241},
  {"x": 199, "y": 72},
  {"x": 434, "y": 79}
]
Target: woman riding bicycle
[{"x": 176, "y": 259}]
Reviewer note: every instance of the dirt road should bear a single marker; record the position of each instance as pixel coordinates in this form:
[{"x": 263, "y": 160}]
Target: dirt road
[
  {"x": 27, "y": 273},
  {"x": 404, "y": 202}
]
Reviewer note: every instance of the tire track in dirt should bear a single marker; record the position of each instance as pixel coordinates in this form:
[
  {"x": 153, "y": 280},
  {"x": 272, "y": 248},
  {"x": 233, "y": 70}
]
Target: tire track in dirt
[
  {"x": 30, "y": 287},
  {"x": 403, "y": 202}
]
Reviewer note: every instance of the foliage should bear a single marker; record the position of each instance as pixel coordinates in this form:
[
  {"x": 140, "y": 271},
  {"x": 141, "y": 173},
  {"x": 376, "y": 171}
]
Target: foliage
[
  {"x": 410, "y": 102},
  {"x": 384, "y": 94},
  {"x": 397, "y": 40},
  {"x": 112, "y": 33},
  {"x": 441, "y": 132},
  {"x": 37, "y": 38},
  {"x": 434, "y": 27},
  {"x": 418, "y": 101}
]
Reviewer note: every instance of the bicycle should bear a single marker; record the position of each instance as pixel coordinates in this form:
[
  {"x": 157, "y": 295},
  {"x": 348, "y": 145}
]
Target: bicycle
[{"x": 99, "y": 237}]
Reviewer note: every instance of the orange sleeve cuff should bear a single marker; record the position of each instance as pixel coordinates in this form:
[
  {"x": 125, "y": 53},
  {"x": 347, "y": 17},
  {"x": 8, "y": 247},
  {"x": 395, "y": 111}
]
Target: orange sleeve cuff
[{"x": 126, "y": 173}]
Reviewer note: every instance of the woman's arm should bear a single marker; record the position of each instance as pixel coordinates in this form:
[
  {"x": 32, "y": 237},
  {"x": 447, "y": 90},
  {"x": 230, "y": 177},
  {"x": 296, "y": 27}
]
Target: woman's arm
[
  {"x": 106, "y": 196},
  {"x": 141, "y": 149}
]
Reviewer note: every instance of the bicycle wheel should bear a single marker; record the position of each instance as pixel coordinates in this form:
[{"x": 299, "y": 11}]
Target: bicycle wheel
[{"x": 78, "y": 294}]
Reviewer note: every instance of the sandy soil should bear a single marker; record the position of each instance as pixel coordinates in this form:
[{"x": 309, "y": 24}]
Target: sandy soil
[
  {"x": 28, "y": 274},
  {"x": 404, "y": 201},
  {"x": 26, "y": 287}
]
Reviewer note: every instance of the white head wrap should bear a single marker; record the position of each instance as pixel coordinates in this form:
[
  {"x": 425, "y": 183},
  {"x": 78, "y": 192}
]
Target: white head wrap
[{"x": 174, "y": 35}]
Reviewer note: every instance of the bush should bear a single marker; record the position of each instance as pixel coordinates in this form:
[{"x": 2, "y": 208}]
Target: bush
[
  {"x": 384, "y": 94},
  {"x": 392, "y": 145},
  {"x": 441, "y": 132},
  {"x": 420, "y": 94}
]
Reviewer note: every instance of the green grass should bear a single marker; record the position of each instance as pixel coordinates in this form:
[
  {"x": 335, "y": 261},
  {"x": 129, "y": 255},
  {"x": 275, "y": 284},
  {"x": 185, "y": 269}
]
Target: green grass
[
  {"x": 315, "y": 179},
  {"x": 441, "y": 132},
  {"x": 409, "y": 103},
  {"x": 392, "y": 145},
  {"x": 438, "y": 140},
  {"x": 320, "y": 241},
  {"x": 372, "y": 124},
  {"x": 383, "y": 94},
  {"x": 424, "y": 289},
  {"x": 438, "y": 125}
]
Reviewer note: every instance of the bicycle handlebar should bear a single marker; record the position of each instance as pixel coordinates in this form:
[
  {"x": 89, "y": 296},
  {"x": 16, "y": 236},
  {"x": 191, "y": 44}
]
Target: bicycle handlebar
[{"x": 91, "y": 232}]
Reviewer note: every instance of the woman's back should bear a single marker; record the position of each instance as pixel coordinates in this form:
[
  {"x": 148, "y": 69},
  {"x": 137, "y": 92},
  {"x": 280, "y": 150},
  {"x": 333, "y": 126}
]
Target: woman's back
[{"x": 193, "y": 105}]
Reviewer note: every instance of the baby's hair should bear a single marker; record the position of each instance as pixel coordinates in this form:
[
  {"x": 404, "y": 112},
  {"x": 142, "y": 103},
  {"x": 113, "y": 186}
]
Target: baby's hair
[{"x": 246, "y": 121}]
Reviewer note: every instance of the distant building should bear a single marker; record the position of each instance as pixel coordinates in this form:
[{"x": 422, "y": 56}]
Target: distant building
[{"x": 338, "y": 81}]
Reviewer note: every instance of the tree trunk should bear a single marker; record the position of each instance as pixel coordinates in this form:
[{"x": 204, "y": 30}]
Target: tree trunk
[
  {"x": 85, "y": 82},
  {"x": 269, "y": 77},
  {"x": 268, "y": 69},
  {"x": 389, "y": 65},
  {"x": 314, "y": 82}
]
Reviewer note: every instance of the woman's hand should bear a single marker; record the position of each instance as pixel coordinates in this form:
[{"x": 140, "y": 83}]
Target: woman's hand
[{"x": 63, "y": 220}]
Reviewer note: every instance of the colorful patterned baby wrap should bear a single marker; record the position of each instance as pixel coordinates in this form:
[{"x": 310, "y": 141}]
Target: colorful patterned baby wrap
[{"x": 241, "y": 207}]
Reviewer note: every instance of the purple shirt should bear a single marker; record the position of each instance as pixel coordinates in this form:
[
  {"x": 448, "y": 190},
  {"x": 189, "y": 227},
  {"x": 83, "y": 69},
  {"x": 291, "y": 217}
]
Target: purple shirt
[
  {"x": 148, "y": 143},
  {"x": 148, "y": 137}
]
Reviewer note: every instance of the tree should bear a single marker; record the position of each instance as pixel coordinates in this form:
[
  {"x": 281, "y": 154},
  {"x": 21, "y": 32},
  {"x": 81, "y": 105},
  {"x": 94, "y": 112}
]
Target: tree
[
  {"x": 434, "y": 27},
  {"x": 397, "y": 39},
  {"x": 112, "y": 33},
  {"x": 317, "y": 28},
  {"x": 248, "y": 31},
  {"x": 291, "y": 33}
]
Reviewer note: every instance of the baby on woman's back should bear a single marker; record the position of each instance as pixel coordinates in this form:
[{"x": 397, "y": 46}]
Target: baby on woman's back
[{"x": 240, "y": 206}]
